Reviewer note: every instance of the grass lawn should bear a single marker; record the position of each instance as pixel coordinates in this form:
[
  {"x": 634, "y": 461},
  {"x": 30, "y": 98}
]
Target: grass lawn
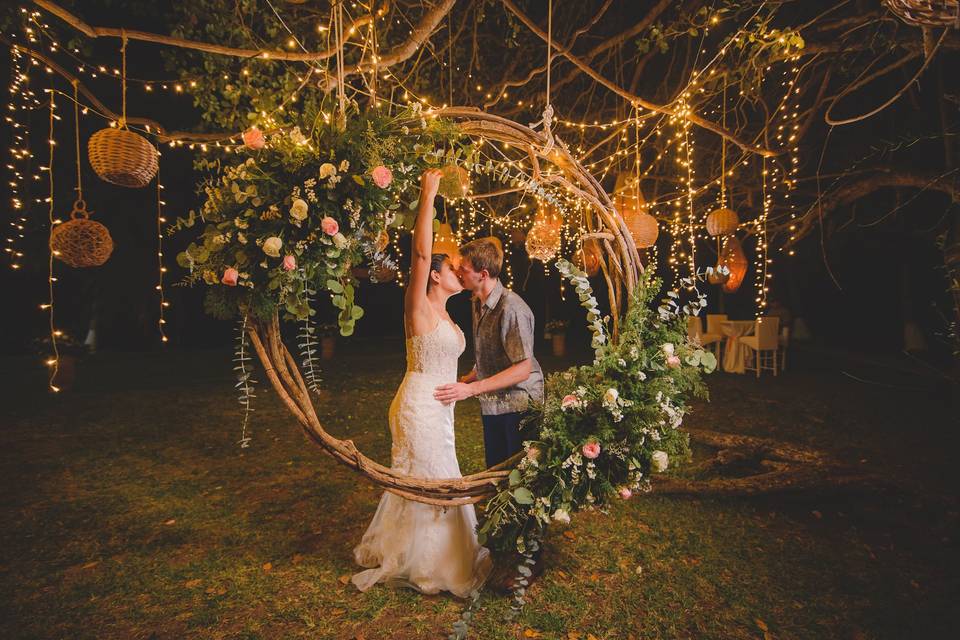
[{"x": 129, "y": 511}]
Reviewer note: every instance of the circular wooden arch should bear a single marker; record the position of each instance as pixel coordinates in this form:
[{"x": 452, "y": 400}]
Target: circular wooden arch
[{"x": 621, "y": 269}]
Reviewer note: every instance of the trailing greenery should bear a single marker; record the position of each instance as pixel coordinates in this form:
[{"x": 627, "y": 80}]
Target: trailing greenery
[
  {"x": 604, "y": 427},
  {"x": 294, "y": 211}
]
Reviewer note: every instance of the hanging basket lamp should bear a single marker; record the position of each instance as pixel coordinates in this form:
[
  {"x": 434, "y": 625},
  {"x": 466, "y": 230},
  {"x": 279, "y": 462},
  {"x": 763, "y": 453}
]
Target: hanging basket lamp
[
  {"x": 122, "y": 157},
  {"x": 589, "y": 257},
  {"x": 444, "y": 241},
  {"x": 632, "y": 206},
  {"x": 722, "y": 222},
  {"x": 543, "y": 239},
  {"x": 81, "y": 242},
  {"x": 455, "y": 182}
]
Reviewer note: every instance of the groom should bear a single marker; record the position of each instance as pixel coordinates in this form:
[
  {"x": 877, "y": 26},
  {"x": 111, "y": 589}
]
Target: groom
[{"x": 506, "y": 376}]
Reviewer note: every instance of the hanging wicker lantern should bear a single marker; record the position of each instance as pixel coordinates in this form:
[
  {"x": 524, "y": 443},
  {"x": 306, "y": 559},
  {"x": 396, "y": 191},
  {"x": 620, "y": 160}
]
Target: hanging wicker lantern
[
  {"x": 629, "y": 201},
  {"x": 81, "y": 242},
  {"x": 122, "y": 157},
  {"x": 722, "y": 222},
  {"x": 543, "y": 239},
  {"x": 589, "y": 256},
  {"x": 455, "y": 182},
  {"x": 444, "y": 241},
  {"x": 733, "y": 258}
]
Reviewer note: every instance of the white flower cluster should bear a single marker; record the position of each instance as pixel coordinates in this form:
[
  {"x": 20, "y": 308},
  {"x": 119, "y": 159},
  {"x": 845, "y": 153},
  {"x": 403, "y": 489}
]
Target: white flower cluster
[
  {"x": 671, "y": 414},
  {"x": 613, "y": 403},
  {"x": 573, "y": 462}
]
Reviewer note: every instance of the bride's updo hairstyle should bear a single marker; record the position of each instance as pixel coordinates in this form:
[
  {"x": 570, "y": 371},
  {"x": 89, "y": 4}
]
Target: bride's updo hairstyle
[{"x": 436, "y": 264}]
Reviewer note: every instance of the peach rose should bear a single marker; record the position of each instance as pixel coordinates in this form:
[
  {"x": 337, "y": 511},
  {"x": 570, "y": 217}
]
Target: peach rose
[
  {"x": 289, "y": 263},
  {"x": 569, "y": 401},
  {"x": 382, "y": 176},
  {"x": 533, "y": 453},
  {"x": 673, "y": 362},
  {"x": 625, "y": 493},
  {"x": 253, "y": 138},
  {"x": 591, "y": 450},
  {"x": 230, "y": 276},
  {"x": 330, "y": 226}
]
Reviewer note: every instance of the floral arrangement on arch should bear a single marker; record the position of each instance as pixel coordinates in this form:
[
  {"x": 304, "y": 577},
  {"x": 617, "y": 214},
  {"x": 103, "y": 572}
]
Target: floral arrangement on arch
[
  {"x": 604, "y": 428},
  {"x": 296, "y": 211}
]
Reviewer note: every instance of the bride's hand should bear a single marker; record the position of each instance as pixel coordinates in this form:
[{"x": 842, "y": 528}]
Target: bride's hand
[
  {"x": 447, "y": 393},
  {"x": 430, "y": 183}
]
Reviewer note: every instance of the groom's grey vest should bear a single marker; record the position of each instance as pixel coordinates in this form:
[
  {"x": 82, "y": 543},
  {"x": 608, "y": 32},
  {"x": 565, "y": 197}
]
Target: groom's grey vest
[{"x": 503, "y": 336}]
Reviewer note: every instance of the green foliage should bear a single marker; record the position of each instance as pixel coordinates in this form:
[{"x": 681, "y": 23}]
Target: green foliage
[
  {"x": 299, "y": 213},
  {"x": 604, "y": 427}
]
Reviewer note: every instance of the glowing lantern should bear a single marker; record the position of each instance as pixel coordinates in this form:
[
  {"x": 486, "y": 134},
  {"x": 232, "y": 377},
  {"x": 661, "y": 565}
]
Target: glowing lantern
[
  {"x": 628, "y": 199},
  {"x": 733, "y": 258},
  {"x": 444, "y": 241},
  {"x": 722, "y": 222},
  {"x": 589, "y": 256},
  {"x": 543, "y": 240}
]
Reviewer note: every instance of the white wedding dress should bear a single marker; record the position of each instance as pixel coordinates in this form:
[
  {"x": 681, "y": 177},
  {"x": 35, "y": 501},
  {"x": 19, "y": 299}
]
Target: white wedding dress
[{"x": 428, "y": 548}]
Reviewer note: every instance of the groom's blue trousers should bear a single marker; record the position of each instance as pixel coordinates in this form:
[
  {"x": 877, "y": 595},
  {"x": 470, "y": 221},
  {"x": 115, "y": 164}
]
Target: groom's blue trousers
[{"x": 501, "y": 436}]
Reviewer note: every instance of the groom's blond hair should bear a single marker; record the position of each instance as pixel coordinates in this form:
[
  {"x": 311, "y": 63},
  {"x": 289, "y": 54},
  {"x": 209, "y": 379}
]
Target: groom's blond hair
[{"x": 484, "y": 253}]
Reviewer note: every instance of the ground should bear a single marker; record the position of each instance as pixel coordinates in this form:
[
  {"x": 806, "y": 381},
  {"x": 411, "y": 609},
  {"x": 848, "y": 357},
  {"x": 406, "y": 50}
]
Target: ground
[{"x": 129, "y": 511}]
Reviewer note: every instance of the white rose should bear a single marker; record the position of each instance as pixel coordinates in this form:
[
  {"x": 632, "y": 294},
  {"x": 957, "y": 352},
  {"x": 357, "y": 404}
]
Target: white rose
[
  {"x": 641, "y": 375},
  {"x": 345, "y": 165},
  {"x": 660, "y": 461},
  {"x": 340, "y": 240},
  {"x": 327, "y": 170},
  {"x": 271, "y": 246},
  {"x": 668, "y": 348},
  {"x": 610, "y": 397},
  {"x": 298, "y": 210},
  {"x": 561, "y": 515}
]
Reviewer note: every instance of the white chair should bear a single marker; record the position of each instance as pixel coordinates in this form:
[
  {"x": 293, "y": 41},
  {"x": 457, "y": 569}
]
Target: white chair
[
  {"x": 765, "y": 343},
  {"x": 694, "y": 329},
  {"x": 714, "y": 334},
  {"x": 784, "y": 343}
]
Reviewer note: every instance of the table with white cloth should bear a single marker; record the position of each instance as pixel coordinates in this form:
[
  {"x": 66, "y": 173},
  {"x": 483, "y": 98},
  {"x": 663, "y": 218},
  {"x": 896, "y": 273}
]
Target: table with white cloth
[{"x": 734, "y": 352}]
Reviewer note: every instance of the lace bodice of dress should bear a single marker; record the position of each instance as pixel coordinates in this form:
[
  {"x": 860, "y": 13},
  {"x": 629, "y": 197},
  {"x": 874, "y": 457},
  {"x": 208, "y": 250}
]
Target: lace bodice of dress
[{"x": 436, "y": 353}]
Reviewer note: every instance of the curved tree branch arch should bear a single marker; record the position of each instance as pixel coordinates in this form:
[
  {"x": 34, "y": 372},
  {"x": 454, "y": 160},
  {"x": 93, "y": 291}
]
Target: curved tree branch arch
[{"x": 621, "y": 272}]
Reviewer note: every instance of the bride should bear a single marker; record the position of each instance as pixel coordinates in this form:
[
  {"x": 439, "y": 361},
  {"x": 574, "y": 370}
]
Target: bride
[{"x": 428, "y": 548}]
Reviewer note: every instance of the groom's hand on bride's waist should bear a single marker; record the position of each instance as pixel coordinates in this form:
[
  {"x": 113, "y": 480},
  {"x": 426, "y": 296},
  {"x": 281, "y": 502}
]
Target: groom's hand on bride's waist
[{"x": 453, "y": 392}]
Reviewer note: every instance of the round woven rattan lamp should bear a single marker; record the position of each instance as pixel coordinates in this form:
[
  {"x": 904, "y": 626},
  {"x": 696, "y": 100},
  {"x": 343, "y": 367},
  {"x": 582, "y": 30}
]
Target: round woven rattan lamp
[
  {"x": 81, "y": 242},
  {"x": 122, "y": 157},
  {"x": 722, "y": 222}
]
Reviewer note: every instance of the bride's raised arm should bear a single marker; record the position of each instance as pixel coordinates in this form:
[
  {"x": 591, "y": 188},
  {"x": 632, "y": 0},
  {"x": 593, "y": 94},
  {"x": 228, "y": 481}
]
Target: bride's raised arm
[{"x": 415, "y": 298}]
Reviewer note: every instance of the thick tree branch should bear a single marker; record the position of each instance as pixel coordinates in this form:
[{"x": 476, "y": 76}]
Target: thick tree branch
[
  {"x": 947, "y": 183},
  {"x": 691, "y": 117},
  {"x": 421, "y": 33},
  {"x": 182, "y": 43}
]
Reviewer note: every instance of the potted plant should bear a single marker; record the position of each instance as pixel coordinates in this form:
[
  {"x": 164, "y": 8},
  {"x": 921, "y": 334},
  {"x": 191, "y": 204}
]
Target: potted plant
[
  {"x": 556, "y": 331},
  {"x": 69, "y": 353},
  {"x": 328, "y": 340}
]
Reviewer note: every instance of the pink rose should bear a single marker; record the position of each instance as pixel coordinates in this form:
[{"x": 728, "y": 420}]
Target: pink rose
[
  {"x": 253, "y": 138},
  {"x": 569, "y": 401},
  {"x": 625, "y": 493},
  {"x": 330, "y": 226},
  {"x": 382, "y": 176},
  {"x": 289, "y": 263},
  {"x": 230, "y": 276},
  {"x": 533, "y": 453},
  {"x": 673, "y": 362},
  {"x": 591, "y": 450}
]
